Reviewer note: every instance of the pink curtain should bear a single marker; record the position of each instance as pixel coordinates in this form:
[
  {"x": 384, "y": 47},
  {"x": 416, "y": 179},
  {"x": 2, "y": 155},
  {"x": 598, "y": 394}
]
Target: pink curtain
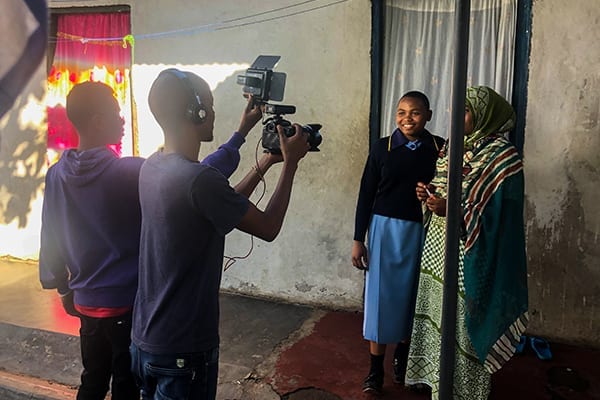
[
  {"x": 88, "y": 47},
  {"x": 75, "y": 53}
]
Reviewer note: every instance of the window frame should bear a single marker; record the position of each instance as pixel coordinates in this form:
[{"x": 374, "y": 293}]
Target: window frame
[{"x": 521, "y": 70}]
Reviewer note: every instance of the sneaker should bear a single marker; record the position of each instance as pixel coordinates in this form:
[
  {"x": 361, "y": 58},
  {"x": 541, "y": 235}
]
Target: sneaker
[
  {"x": 373, "y": 383},
  {"x": 399, "y": 371}
]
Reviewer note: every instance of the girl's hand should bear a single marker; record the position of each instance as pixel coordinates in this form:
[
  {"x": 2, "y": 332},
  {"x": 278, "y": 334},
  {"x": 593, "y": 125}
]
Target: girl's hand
[
  {"x": 424, "y": 191},
  {"x": 360, "y": 258}
]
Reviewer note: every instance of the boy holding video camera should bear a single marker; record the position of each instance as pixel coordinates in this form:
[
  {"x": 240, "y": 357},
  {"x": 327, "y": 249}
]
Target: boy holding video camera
[{"x": 187, "y": 209}]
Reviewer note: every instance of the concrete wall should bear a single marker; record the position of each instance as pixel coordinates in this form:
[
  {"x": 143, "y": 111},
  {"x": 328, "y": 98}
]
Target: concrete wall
[
  {"x": 328, "y": 80},
  {"x": 562, "y": 165},
  {"x": 325, "y": 54},
  {"x": 22, "y": 170}
]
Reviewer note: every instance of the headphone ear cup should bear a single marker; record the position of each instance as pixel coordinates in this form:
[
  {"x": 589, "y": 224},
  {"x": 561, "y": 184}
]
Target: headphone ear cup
[{"x": 196, "y": 113}]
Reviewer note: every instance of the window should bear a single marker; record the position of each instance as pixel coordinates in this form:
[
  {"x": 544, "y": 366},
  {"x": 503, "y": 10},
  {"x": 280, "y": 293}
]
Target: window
[
  {"x": 87, "y": 44},
  {"x": 412, "y": 50}
]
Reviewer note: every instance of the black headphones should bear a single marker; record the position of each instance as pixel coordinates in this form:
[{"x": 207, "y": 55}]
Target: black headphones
[{"x": 194, "y": 109}]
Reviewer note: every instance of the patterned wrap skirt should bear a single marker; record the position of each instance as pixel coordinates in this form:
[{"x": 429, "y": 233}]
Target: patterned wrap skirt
[
  {"x": 395, "y": 248},
  {"x": 471, "y": 380}
]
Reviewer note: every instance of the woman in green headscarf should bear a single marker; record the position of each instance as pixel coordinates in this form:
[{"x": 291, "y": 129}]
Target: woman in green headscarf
[{"x": 492, "y": 287}]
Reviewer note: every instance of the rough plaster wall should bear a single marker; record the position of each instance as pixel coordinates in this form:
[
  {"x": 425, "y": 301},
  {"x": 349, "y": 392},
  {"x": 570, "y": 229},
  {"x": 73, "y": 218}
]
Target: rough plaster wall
[
  {"x": 562, "y": 165},
  {"x": 22, "y": 170},
  {"x": 325, "y": 54}
]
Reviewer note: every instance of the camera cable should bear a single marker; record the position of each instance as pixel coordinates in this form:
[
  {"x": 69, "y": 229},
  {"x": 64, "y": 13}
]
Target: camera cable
[{"x": 230, "y": 260}]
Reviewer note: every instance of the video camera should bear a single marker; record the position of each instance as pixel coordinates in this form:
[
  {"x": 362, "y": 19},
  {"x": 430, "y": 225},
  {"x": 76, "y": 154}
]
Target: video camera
[{"x": 263, "y": 84}]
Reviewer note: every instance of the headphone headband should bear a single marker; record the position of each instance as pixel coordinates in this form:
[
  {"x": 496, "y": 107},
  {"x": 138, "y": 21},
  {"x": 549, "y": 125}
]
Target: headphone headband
[{"x": 194, "y": 110}]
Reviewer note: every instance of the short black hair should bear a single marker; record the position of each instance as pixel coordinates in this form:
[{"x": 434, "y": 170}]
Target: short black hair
[
  {"x": 415, "y": 94},
  {"x": 85, "y": 99}
]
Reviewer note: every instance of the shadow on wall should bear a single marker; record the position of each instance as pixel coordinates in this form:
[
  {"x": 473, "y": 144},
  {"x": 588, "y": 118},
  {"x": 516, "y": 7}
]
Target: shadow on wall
[
  {"x": 22, "y": 148},
  {"x": 23, "y": 155}
]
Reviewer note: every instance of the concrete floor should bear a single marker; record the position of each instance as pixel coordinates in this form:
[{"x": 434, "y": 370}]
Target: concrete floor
[{"x": 268, "y": 351}]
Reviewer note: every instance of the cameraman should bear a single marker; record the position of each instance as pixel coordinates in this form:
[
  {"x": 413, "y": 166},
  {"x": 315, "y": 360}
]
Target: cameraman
[{"x": 187, "y": 209}]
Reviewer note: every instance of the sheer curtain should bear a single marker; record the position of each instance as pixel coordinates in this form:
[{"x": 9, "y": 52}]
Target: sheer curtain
[{"x": 418, "y": 53}]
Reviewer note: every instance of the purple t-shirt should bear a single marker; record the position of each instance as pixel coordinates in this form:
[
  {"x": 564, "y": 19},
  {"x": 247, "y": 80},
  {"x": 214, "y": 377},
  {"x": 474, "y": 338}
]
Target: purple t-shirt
[
  {"x": 227, "y": 157},
  {"x": 187, "y": 209}
]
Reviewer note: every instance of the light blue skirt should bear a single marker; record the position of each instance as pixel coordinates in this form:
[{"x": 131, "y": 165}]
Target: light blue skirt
[{"x": 394, "y": 249}]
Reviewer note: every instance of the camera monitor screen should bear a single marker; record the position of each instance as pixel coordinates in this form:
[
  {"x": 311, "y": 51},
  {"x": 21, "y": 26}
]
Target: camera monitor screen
[
  {"x": 261, "y": 81},
  {"x": 265, "y": 62}
]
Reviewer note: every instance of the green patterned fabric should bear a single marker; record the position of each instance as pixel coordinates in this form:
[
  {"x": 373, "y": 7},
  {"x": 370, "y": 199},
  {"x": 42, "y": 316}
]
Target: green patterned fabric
[
  {"x": 471, "y": 380},
  {"x": 495, "y": 265},
  {"x": 492, "y": 282},
  {"x": 491, "y": 114}
]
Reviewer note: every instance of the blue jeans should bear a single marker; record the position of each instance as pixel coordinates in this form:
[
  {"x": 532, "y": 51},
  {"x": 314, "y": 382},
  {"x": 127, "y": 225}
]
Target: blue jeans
[{"x": 190, "y": 376}]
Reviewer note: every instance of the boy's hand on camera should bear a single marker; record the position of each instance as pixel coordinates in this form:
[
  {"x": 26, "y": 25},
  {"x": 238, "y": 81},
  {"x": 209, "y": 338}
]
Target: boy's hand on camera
[
  {"x": 250, "y": 116},
  {"x": 269, "y": 158},
  {"x": 295, "y": 147}
]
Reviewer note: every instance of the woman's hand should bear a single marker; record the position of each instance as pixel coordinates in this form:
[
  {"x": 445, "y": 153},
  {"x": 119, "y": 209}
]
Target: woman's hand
[
  {"x": 437, "y": 205},
  {"x": 360, "y": 258}
]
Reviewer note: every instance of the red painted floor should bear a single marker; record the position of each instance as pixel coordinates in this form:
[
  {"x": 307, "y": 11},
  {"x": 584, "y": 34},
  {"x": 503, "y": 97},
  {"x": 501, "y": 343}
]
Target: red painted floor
[
  {"x": 329, "y": 362},
  {"x": 334, "y": 358}
]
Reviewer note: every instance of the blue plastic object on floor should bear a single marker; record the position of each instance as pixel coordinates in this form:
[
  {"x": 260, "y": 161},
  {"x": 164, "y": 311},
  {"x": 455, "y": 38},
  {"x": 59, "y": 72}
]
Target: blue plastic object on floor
[
  {"x": 521, "y": 346},
  {"x": 541, "y": 348}
]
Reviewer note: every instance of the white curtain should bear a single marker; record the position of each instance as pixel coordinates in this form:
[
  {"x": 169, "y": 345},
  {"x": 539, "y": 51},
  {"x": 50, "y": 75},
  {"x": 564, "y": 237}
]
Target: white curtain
[{"x": 418, "y": 53}]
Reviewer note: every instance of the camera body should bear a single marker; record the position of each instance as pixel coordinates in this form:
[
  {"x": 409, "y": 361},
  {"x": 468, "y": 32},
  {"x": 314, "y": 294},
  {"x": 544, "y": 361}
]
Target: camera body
[
  {"x": 263, "y": 84},
  {"x": 270, "y": 137}
]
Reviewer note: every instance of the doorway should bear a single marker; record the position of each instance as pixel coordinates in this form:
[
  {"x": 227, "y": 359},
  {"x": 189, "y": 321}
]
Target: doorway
[{"x": 88, "y": 44}]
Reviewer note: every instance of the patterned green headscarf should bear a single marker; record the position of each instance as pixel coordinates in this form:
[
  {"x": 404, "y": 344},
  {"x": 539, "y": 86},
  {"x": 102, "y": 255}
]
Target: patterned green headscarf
[{"x": 491, "y": 114}]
